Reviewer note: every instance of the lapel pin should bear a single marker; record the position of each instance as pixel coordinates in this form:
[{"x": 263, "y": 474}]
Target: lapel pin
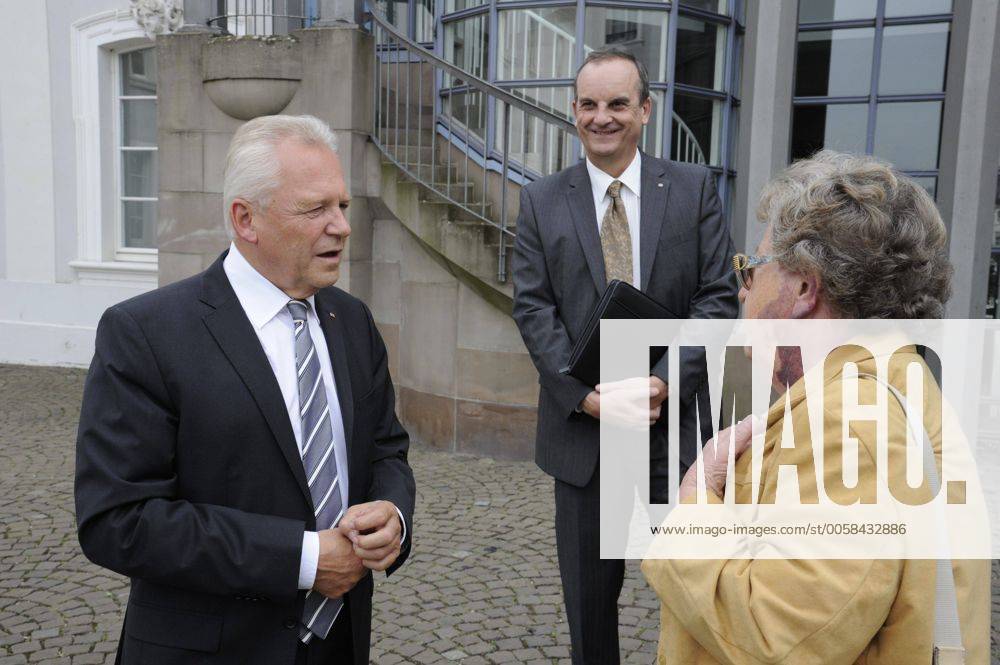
[{"x": 332, "y": 315}]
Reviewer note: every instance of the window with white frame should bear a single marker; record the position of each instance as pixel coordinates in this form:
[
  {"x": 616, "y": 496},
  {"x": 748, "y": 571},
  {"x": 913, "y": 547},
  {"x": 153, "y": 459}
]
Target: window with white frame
[
  {"x": 114, "y": 80},
  {"x": 136, "y": 155}
]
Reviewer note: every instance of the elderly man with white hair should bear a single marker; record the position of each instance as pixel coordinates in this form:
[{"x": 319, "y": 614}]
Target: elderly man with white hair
[{"x": 238, "y": 456}]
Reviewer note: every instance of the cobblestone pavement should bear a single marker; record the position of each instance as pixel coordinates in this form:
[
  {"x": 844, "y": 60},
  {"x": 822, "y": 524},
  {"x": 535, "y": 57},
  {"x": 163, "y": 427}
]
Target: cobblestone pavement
[
  {"x": 481, "y": 586},
  {"x": 485, "y": 594}
]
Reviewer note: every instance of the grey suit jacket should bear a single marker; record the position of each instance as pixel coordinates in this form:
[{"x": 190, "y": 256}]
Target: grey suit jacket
[{"x": 685, "y": 257}]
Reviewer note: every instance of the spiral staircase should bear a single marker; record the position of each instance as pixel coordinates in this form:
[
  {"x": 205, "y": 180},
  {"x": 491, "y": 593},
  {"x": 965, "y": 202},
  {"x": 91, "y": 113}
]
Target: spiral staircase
[{"x": 455, "y": 152}]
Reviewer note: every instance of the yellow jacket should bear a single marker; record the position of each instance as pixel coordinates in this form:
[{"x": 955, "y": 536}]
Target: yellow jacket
[{"x": 874, "y": 612}]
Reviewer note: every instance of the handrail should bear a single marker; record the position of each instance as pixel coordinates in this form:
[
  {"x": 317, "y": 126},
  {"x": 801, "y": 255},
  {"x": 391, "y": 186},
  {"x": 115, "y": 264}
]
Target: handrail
[
  {"x": 472, "y": 80},
  {"x": 690, "y": 141},
  {"x": 471, "y": 144}
]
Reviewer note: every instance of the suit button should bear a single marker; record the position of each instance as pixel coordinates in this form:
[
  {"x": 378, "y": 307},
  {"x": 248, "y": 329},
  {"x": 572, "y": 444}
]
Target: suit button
[{"x": 290, "y": 623}]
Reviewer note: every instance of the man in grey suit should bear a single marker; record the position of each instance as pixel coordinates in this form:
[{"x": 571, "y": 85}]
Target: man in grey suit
[{"x": 619, "y": 214}]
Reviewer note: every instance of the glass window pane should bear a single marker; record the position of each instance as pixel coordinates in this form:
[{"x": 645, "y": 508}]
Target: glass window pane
[
  {"x": 642, "y": 33},
  {"x": 424, "y": 20},
  {"x": 139, "y": 174},
  {"x": 138, "y": 122},
  {"x": 139, "y": 224},
  {"x": 466, "y": 44},
  {"x": 906, "y": 134},
  {"x": 815, "y": 11},
  {"x": 395, "y": 12},
  {"x": 715, "y": 6},
  {"x": 469, "y": 109},
  {"x": 696, "y": 128},
  {"x": 651, "y": 141},
  {"x": 557, "y": 100},
  {"x": 916, "y": 7},
  {"x": 929, "y": 183},
  {"x": 837, "y": 126},
  {"x": 913, "y": 59},
  {"x": 459, "y": 5},
  {"x": 536, "y": 43},
  {"x": 139, "y": 72},
  {"x": 701, "y": 53},
  {"x": 539, "y": 145},
  {"x": 834, "y": 62}
]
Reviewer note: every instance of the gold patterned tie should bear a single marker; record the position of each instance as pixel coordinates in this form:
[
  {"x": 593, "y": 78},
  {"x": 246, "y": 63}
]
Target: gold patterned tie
[{"x": 616, "y": 241}]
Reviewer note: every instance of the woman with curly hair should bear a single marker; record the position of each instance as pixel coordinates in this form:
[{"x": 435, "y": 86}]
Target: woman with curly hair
[{"x": 847, "y": 237}]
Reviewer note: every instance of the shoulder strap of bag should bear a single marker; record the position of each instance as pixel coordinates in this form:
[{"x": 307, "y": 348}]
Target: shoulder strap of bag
[{"x": 948, "y": 648}]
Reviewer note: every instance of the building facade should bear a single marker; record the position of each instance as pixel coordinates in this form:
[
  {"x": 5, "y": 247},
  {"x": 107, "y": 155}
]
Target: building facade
[{"x": 115, "y": 117}]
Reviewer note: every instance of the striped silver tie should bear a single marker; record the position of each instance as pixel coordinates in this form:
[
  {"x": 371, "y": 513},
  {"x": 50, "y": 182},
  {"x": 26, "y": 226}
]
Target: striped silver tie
[{"x": 319, "y": 461}]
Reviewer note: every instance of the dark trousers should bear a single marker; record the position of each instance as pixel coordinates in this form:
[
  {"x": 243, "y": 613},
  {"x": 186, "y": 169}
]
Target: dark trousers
[
  {"x": 591, "y": 586},
  {"x": 336, "y": 649}
]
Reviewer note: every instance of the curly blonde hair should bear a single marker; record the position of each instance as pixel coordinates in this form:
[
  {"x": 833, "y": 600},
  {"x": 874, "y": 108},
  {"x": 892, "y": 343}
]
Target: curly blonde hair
[{"x": 872, "y": 236}]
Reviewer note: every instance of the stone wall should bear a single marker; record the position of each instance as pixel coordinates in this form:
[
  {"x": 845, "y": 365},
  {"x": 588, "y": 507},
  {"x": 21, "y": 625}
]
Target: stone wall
[{"x": 464, "y": 380}]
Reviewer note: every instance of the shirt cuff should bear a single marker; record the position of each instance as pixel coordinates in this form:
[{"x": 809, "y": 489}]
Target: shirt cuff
[
  {"x": 402, "y": 522},
  {"x": 310, "y": 559}
]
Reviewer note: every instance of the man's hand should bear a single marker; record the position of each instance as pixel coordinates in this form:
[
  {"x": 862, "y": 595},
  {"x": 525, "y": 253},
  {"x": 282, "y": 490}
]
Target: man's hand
[
  {"x": 630, "y": 402},
  {"x": 339, "y": 568},
  {"x": 375, "y": 531},
  {"x": 658, "y": 392},
  {"x": 591, "y": 404}
]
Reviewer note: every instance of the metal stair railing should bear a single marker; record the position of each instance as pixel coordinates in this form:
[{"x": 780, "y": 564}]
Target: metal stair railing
[
  {"x": 261, "y": 18},
  {"x": 445, "y": 146},
  {"x": 686, "y": 144}
]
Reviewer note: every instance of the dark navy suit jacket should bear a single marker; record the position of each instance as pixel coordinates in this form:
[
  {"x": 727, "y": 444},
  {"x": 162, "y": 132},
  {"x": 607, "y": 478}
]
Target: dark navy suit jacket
[{"x": 189, "y": 479}]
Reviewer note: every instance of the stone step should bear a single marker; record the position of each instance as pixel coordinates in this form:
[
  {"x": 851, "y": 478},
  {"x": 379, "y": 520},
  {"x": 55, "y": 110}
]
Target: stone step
[
  {"x": 418, "y": 117},
  {"x": 490, "y": 234},
  {"x": 462, "y": 192},
  {"x": 412, "y": 154},
  {"x": 426, "y": 172},
  {"x": 476, "y": 207}
]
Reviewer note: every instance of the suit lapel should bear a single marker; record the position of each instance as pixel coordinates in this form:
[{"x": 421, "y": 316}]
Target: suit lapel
[
  {"x": 234, "y": 334},
  {"x": 652, "y": 216},
  {"x": 333, "y": 331},
  {"x": 580, "y": 196}
]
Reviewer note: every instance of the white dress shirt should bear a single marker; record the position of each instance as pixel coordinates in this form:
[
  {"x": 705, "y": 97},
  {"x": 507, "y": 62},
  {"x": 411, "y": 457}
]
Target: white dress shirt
[
  {"x": 631, "y": 179},
  {"x": 265, "y": 306}
]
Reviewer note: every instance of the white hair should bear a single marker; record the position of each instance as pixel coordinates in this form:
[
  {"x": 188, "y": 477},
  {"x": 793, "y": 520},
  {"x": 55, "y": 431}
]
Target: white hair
[{"x": 251, "y": 165}]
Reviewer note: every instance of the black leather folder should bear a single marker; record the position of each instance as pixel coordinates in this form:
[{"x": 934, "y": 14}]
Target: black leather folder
[{"x": 620, "y": 301}]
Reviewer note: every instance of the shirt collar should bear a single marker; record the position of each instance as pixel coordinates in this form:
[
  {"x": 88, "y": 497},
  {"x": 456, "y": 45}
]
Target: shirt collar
[
  {"x": 630, "y": 177},
  {"x": 261, "y": 300}
]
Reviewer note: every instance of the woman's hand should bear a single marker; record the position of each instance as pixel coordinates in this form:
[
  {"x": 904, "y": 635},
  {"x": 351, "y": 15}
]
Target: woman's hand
[{"x": 715, "y": 458}]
